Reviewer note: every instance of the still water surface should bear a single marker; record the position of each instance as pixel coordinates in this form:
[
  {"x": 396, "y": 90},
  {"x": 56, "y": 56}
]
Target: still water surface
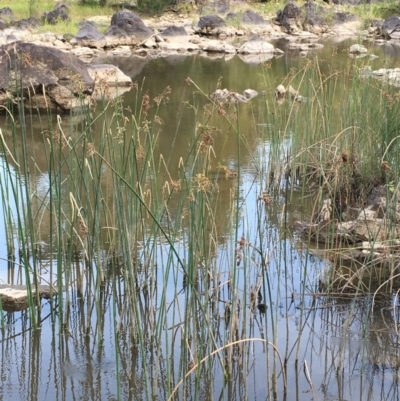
[{"x": 331, "y": 349}]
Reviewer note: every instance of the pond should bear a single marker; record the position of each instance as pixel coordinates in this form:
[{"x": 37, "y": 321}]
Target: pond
[{"x": 165, "y": 223}]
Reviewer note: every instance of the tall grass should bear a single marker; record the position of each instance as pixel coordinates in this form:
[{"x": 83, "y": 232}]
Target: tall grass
[{"x": 198, "y": 293}]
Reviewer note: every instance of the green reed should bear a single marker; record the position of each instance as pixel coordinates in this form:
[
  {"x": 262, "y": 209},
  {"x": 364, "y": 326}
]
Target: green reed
[{"x": 149, "y": 243}]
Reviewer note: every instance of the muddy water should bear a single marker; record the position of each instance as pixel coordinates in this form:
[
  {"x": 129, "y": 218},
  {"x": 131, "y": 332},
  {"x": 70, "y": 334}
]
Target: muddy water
[{"x": 331, "y": 349}]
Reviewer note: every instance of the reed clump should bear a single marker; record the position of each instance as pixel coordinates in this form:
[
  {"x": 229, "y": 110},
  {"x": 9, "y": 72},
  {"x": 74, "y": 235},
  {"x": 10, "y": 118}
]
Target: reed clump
[{"x": 192, "y": 261}]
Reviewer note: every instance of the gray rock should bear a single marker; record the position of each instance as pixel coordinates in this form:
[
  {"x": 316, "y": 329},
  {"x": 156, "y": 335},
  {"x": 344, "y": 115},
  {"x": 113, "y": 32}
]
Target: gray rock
[
  {"x": 60, "y": 13},
  {"x": 226, "y": 96},
  {"x": 109, "y": 75},
  {"x": 27, "y": 23},
  {"x": 289, "y": 17},
  {"x": 341, "y": 17},
  {"x": 250, "y": 17},
  {"x": 7, "y": 14},
  {"x": 256, "y": 45},
  {"x": 3, "y": 24},
  {"x": 174, "y": 30},
  {"x": 89, "y": 36},
  {"x": 291, "y": 10},
  {"x": 131, "y": 23},
  {"x": 11, "y": 38},
  {"x": 209, "y": 22},
  {"x": 313, "y": 17},
  {"x": 61, "y": 76},
  {"x": 390, "y": 25}
]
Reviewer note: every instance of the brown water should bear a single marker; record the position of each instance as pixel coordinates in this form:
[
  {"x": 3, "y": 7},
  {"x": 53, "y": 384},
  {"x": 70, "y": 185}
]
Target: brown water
[{"x": 331, "y": 349}]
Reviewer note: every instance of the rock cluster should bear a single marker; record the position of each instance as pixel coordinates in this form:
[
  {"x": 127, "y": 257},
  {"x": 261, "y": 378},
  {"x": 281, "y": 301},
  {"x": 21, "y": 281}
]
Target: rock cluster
[
  {"x": 226, "y": 96},
  {"x": 48, "y": 78}
]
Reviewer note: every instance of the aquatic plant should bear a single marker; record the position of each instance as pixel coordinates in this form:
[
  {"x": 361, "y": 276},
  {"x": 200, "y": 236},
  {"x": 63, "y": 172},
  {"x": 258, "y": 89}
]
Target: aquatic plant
[{"x": 191, "y": 258}]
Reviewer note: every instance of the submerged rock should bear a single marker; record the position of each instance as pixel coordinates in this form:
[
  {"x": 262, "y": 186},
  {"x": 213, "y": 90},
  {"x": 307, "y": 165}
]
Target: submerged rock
[{"x": 226, "y": 96}]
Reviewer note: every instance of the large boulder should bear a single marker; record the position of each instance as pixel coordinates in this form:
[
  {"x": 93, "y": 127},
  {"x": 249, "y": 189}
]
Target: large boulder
[
  {"x": 208, "y": 23},
  {"x": 313, "y": 18},
  {"x": 60, "y": 13},
  {"x": 52, "y": 78},
  {"x": 89, "y": 36},
  {"x": 130, "y": 23},
  {"x": 391, "y": 27},
  {"x": 289, "y": 17}
]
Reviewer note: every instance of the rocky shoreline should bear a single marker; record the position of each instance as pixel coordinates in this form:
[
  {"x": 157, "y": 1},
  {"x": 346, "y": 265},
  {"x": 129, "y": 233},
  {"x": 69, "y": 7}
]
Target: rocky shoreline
[{"x": 128, "y": 35}]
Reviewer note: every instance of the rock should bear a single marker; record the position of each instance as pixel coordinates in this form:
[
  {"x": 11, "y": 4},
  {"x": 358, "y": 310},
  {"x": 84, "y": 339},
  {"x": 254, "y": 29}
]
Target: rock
[
  {"x": 250, "y": 17},
  {"x": 280, "y": 92},
  {"x": 150, "y": 44},
  {"x": 89, "y": 36},
  {"x": 210, "y": 22},
  {"x": 15, "y": 297},
  {"x": 59, "y": 44},
  {"x": 117, "y": 37},
  {"x": 357, "y": 49},
  {"x": 6, "y": 14},
  {"x": 289, "y": 17},
  {"x": 180, "y": 43},
  {"x": 60, "y": 13},
  {"x": 108, "y": 75},
  {"x": 390, "y": 26},
  {"x": 174, "y": 30},
  {"x": 312, "y": 17},
  {"x": 27, "y": 23},
  {"x": 3, "y": 24},
  {"x": 291, "y": 10},
  {"x": 61, "y": 76},
  {"x": 121, "y": 51},
  {"x": 341, "y": 17},
  {"x": 12, "y": 38},
  {"x": 215, "y": 46},
  {"x": 82, "y": 52},
  {"x": 226, "y": 96},
  {"x": 256, "y": 45},
  {"x": 250, "y": 93},
  {"x": 131, "y": 24}
]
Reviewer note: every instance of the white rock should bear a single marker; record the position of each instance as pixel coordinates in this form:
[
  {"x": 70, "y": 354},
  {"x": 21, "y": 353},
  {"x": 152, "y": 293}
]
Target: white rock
[
  {"x": 83, "y": 52},
  {"x": 256, "y": 46},
  {"x": 357, "y": 49},
  {"x": 109, "y": 75},
  {"x": 121, "y": 51}
]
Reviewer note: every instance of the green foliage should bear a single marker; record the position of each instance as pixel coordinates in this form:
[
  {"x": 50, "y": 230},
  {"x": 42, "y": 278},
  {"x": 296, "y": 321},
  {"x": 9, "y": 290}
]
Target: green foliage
[{"x": 152, "y": 6}]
